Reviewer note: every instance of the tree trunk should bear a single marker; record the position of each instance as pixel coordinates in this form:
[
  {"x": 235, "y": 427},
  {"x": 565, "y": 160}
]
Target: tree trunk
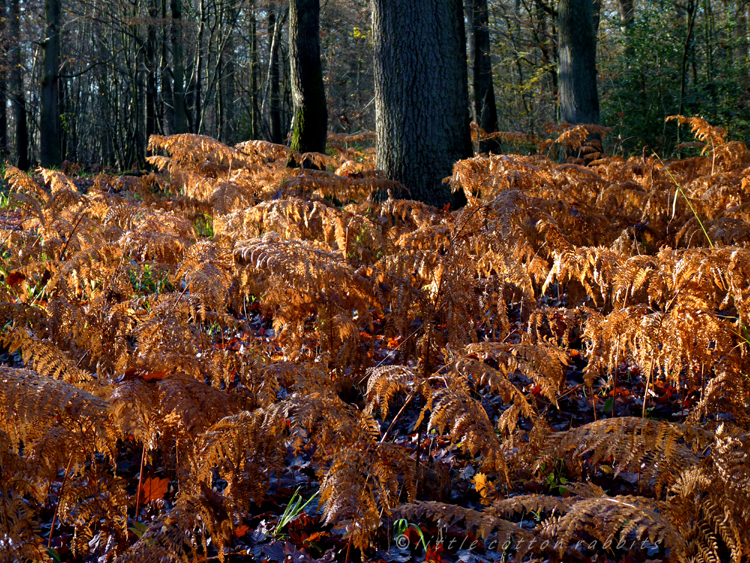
[
  {"x": 579, "y": 99},
  {"x": 17, "y": 89},
  {"x": 178, "y": 70},
  {"x": 151, "y": 93},
  {"x": 421, "y": 93},
  {"x": 49, "y": 130},
  {"x": 308, "y": 92},
  {"x": 274, "y": 29},
  {"x": 480, "y": 71},
  {"x": 3, "y": 85},
  {"x": 254, "y": 127}
]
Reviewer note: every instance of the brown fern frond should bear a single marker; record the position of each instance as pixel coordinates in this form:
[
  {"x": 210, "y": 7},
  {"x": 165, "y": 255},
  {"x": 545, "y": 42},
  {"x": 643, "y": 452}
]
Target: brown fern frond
[
  {"x": 657, "y": 451},
  {"x": 362, "y": 485},
  {"x": 21, "y": 495},
  {"x": 21, "y": 182},
  {"x": 53, "y": 420},
  {"x": 484, "y": 522},
  {"x": 385, "y": 381},
  {"x": 614, "y": 520},
  {"x": 44, "y": 357},
  {"x": 453, "y": 408},
  {"x": 245, "y": 449}
]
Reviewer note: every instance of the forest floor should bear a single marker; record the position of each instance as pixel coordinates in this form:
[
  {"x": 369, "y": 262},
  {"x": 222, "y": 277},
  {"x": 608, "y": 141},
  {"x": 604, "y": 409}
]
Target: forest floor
[{"x": 232, "y": 360}]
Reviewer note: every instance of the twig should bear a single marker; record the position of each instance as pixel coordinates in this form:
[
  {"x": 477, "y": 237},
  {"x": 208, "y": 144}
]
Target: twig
[
  {"x": 140, "y": 481},
  {"x": 59, "y": 498}
]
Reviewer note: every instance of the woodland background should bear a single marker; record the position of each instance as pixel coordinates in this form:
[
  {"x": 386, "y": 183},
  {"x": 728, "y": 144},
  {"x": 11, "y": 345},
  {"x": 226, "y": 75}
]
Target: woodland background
[{"x": 122, "y": 62}]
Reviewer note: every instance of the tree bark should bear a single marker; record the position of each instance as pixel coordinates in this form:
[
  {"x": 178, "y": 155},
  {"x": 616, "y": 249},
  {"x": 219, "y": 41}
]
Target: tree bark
[
  {"x": 151, "y": 93},
  {"x": 579, "y": 99},
  {"x": 308, "y": 92},
  {"x": 421, "y": 93},
  {"x": 178, "y": 70},
  {"x": 3, "y": 84},
  {"x": 49, "y": 130},
  {"x": 254, "y": 126},
  {"x": 480, "y": 71},
  {"x": 274, "y": 28},
  {"x": 17, "y": 89}
]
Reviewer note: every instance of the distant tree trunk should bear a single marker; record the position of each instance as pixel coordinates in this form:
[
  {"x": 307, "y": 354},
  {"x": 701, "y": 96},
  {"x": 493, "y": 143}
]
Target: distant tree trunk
[
  {"x": 178, "y": 70},
  {"x": 3, "y": 84},
  {"x": 227, "y": 77},
  {"x": 49, "y": 131},
  {"x": 579, "y": 99},
  {"x": 151, "y": 93},
  {"x": 421, "y": 93},
  {"x": 254, "y": 126},
  {"x": 308, "y": 92},
  {"x": 274, "y": 29},
  {"x": 625, "y": 9},
  {"x": 17, "y": 89},
  {"x": 480, "y": 71}
]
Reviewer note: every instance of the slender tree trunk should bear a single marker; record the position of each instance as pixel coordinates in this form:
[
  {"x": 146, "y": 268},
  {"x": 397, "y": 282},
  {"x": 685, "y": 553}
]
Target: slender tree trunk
[
  {"x": 480, "y": 71},
  {"x": 254, "y": 126},
  {"x": 17, "y": 88},
  {"x": 178, "y": 70},
  {"x": 274, "y": 28},
  {"x": 308, "y": 92},
  {"x": 151, "y": 93},
  {"x": 3, "y": 84},
  {"x": 421, "y": 93},
  {"x": 579, "y": 99},
  {"x": 227, "y": 78}
]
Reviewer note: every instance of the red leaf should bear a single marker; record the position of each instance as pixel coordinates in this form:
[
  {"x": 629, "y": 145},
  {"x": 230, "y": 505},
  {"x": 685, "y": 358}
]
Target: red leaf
[
  {"x": 14, "y": 278},
  {"x": 153, "y": 488}
]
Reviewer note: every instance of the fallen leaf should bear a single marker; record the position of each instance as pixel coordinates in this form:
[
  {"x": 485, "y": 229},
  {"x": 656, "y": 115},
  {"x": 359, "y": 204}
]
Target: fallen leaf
[{"x": 153, "y": 488}]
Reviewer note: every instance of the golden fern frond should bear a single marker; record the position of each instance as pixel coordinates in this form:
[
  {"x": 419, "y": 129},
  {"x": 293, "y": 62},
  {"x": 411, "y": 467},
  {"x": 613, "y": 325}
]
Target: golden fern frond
[
  {"x": 245, "y": 449},
  {"x": 657, "y": 451},
  {"x": 484, "y": 522},
  {"x": 453, "y": 408},
  {"x": 206, "y": 270},
  {"x": 21, "y": 182},
  {"x": 20, "y": 497},
  {"x": 362, "y": 485},
  {"x": 54, "y": 420},
  {"x": 304, "y": 280},
  {"x": 709, "y": 514},
  {"x": 614, "y": 520},
  {"x": 543, "y": 363},
  {"x": 44, "y": 357},
  {"x": 135, "y": 411},
  {"x": 186, "y": 531},
  {"x": 92, "y": 501},
  {"x": 264, "y": 150},
  {"x": 385, "y": 381},
  {"x": 191, "y": 405},
  {"x": 329, "y": 420}
]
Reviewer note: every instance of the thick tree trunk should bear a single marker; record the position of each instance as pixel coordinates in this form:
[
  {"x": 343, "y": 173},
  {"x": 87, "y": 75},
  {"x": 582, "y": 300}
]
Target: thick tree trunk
[
  {"x": 178, "y": 70},
  {"x": 17, "y": 89},
  {"x": 480, "y": 71},
  {"x": 579, "y": 99},
  {"x": 49, "y": 131},
  {"x": 308, "y": 92},
  {"x": 421, "y": 93}
]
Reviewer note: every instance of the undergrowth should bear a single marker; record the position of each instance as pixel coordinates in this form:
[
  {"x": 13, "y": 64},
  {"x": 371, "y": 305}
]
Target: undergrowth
[{"x": 178, "y": 365}]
